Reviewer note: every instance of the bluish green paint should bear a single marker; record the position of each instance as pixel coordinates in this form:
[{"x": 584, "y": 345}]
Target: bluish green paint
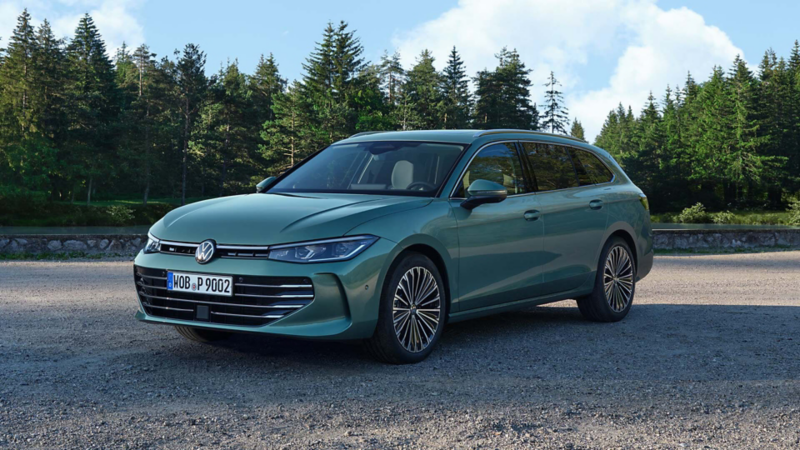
[{"x": 494, "y": 258}]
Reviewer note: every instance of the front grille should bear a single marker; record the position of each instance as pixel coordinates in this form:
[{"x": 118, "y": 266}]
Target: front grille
[
  {"x": 256, "y": 301},
  {"x": 223, "y": 250}
]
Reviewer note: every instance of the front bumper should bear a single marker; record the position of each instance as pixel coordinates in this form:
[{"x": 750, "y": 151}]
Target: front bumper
[{"x": 345, "y": 303}]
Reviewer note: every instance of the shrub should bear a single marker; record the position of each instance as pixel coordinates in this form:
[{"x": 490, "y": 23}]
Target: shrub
[
  {"x": 723, "y": 217},
  {"x": 119, "y": 215},
  {"x": 794, "y": 213},
  {"x": 694, "y": 214}
]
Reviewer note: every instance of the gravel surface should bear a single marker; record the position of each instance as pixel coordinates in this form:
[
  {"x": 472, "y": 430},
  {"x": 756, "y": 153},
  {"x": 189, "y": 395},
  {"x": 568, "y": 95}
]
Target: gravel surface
[{"x": 709, "y": 357}]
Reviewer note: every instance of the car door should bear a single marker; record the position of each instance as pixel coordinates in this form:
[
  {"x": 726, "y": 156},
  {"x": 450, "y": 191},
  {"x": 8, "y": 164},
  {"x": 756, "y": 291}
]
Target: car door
[
  {"x": 500, "y": 243},
  {"x": 572, "y": 213}
]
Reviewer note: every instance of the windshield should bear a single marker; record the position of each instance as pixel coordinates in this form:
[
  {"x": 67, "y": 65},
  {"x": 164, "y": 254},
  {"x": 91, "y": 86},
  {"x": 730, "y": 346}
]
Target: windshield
[{"x": 387, "y": 168}]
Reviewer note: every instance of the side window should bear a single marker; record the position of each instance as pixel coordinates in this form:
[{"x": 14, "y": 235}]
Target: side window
[
  {"x": 499, "y": 163},
  {"x": 597, "y": 171},
  {"x": 552, "y": 166},
  {"x": 584, "y": 179}
]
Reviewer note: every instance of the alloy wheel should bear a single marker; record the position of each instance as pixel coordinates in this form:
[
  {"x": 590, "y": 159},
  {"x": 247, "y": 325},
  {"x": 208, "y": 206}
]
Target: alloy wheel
[
  {"x": 618, "y": 278},
  {"x": 416, "y": 309}
]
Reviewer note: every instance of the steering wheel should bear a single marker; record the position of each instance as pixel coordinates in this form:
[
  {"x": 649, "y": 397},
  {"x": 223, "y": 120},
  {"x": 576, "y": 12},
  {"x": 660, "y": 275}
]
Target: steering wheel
[{"x": 423, "y": 184}]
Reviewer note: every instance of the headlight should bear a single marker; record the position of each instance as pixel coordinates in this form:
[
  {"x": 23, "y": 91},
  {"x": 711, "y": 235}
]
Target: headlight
[
  {"x": 322, "y": 251},
  {"x": 153, "y": 244}
]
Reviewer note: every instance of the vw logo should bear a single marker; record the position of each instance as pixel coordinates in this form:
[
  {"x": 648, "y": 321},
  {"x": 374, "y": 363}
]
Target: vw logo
[{"x": 204, "y": 251}]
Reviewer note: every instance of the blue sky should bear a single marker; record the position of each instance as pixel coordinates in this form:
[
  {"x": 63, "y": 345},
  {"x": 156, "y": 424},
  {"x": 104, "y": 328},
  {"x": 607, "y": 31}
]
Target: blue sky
[{"x": 604, "y": 51}]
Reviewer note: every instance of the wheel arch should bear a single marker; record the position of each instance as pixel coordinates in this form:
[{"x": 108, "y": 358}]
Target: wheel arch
[
  {"x": 434, "y": 251},
  {"x": 626, "y": 236}
]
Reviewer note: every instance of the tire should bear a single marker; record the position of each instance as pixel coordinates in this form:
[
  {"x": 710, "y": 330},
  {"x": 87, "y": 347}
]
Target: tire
[
  {"x": 418, "y": 329},
  {"x": 622, "y": 286},
  {"x": 201, "y": 334}
]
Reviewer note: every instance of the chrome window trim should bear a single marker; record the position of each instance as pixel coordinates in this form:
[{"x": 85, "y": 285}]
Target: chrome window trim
[{"x": 461, "y": 176}]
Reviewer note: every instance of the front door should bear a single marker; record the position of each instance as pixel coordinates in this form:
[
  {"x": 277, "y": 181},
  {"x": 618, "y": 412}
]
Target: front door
[{"x": 500, "y": 244}]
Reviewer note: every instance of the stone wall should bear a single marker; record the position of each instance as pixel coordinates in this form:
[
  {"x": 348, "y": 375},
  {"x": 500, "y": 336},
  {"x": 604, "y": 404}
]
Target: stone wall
[
  {"x": 662, "y": 239},
  {"x": 725, "y": 239},
  {"x": 89, "y": 244}
]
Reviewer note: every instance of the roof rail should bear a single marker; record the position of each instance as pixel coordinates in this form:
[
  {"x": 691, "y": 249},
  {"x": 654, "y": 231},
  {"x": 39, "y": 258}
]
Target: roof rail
[
  {"x": 365, "y": 133},
  {"x": 537, "y": 133}
]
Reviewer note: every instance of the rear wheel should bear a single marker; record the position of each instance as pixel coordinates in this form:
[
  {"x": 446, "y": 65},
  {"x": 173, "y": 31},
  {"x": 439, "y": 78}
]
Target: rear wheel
[
  {"x": 412, "y": 311},
  {"x": 615, "y": 284},
  {"x": 201, "y": 334}
]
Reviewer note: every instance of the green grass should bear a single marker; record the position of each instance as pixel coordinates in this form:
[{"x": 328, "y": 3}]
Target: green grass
[
  {"x": 739, "y": 217},
  {"x": 138, "y": 201},
  {"x": 120, "y": 212},
  {"x": 55, "y": 256}
]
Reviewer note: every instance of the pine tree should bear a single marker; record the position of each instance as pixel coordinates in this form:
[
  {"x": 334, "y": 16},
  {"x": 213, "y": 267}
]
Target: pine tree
[
  {"x": 16, "y": 78},
  {"x": 266, "y": 83},
  {"x": 425, "y": 94},
  {"x": 392, "y": 77},
  {"x": 285, "y": 140},
  {"x": 93, "y": 104},
  {"x": 577, "y": 130},
  {"x": 192, "y": 87},
  {"x": 503, "y": 95},
  {"x": 457, "y": 99},
  {"x": 555, "y": 114}
]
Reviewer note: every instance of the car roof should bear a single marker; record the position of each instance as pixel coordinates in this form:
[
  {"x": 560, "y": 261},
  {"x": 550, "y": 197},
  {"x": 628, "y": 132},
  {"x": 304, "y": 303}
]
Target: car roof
[
  {"x": 468, "y": 137},
  {"x": 455, "y": 136}
]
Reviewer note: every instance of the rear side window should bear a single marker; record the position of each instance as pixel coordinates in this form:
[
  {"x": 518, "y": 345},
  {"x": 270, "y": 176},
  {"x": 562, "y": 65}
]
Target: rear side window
[
  {"x": 552, "y": 166},
  {"x": 584, "y": 179},
  {"x": 591, "y": 165},
  {"x": 499, "y": 163}
]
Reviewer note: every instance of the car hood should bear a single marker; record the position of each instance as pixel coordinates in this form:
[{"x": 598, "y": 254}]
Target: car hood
[{"x": 267, "y": 219}]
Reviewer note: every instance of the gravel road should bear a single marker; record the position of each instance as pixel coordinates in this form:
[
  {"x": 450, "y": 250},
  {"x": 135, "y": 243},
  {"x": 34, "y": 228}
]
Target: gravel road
[{"x": 709, "y": 357}]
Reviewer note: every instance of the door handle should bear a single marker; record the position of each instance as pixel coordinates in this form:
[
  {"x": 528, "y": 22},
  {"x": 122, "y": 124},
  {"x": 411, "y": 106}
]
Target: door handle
[
  {"x": 596, "y": 204},
  {"x": 531, "y": 215}
]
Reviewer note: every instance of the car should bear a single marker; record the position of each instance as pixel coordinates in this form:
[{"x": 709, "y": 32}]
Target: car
[{"x": 387, "y": 237}]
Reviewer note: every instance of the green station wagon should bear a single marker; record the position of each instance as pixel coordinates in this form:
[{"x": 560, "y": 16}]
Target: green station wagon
[{"x": 388, "y": 236}]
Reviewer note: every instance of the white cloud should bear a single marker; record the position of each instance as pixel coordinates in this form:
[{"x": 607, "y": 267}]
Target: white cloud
[
  {"x": 115, "y": 19},
  {"x": 660, "y": 46}
]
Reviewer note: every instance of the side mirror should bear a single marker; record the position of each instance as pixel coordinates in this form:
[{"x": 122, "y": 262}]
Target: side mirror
[
  {"x": 265, "y": 184},
  {"x": 483, "y": 191}
]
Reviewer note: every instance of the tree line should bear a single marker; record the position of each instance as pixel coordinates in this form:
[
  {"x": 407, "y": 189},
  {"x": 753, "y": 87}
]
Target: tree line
[
  {"x": 731, "y": 142},
  {"x": 75, "y": 123}
]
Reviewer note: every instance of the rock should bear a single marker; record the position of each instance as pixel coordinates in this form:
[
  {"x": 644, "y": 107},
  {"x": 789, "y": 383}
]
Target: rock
[
  {"x": 54, "y": 245},
  {"x": 115, "y": 246},
  {"x": 74, "y": 245},
  {"x": 91, "y": 243},
  {"x": 4, "y": 242},
  {"x": 103, "y": 244}
]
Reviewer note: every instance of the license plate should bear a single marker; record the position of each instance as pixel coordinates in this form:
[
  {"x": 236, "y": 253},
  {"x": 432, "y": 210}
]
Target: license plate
[{"x": 199, "y": 283}]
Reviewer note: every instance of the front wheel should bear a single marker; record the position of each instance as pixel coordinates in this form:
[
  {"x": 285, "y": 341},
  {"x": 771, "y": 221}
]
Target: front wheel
[
  {"x": 412, "y": 312},
  {"x": 615, "y": 284}
]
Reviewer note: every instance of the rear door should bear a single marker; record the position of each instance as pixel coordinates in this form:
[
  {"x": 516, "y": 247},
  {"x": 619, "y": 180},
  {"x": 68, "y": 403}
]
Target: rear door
[
  {"x": 572, "y": 213},
  {"x": 501, "y": 243}
]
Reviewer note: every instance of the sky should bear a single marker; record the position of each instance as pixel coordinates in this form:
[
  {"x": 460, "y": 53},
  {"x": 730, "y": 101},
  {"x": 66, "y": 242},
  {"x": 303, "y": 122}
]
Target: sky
[{"x": 603, "y": 51}]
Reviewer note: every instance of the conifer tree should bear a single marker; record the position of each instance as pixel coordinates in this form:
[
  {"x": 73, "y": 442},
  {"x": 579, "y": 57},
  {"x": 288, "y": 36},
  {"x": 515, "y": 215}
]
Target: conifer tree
[
  {"x": 284, "y": 137},
  {"x": 457, "y": 99},
  {"x": 192, "y": 86},
  {"x": 425, "y": 94},
  {"x": 266, "y": 83},
  {"x": 555, "y": 117},
  {"x": 392, "y": 77},
  {"x": 503, "y": 95},
  {"x": 93, "y": 104},
  {"x": 577, "y": 130}
]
